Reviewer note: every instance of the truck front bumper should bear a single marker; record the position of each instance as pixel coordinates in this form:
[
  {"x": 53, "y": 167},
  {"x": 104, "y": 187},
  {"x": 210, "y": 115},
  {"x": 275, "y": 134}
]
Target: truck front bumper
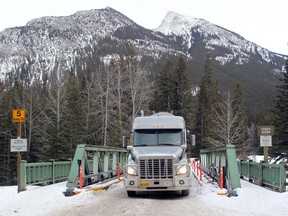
[{"x": 132, "y": 183}]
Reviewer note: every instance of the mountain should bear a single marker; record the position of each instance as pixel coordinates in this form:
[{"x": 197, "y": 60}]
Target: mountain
[
  {"x": 82, "y": 41},
  {"x": 235, "y": 58},
  {"x": 189, "y": 32},
  {"x": 74, "y": 40}
]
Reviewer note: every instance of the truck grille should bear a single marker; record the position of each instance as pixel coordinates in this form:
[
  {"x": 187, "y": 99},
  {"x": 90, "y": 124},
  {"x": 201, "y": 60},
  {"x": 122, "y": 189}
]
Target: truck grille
[{"x": 156, "y": 168}]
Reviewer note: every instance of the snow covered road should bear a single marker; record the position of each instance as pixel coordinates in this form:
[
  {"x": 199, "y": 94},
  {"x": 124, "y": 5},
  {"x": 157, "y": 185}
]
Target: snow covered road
[{"x": 49, "y": 200}]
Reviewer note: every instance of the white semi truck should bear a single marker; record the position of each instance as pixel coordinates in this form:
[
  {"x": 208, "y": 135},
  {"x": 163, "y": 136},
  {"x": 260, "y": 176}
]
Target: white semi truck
[{"x": 157, "y": 155}]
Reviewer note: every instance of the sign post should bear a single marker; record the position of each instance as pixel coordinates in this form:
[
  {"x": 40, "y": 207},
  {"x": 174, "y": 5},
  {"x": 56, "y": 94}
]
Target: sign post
[
  {"x": 18, "y": 116},
  {"x": 265, "y": 133}
]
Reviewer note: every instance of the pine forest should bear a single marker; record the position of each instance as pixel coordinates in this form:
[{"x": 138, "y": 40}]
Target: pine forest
[{"x": 64, "y": 109}]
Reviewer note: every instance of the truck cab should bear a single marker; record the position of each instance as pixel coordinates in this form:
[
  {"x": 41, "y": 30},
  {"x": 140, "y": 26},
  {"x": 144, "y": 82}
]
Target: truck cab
[{"x": 157, "y": 158}]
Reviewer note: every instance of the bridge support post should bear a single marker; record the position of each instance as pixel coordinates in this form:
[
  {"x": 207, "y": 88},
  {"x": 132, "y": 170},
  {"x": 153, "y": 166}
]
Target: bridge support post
[
  {"x": 22, "y": 183},
  {"x": 106, "y": 163},
  {"x": 72, "y": 182},
  {"x": 96, "y": 158},
  {"x": 114, "y": 163},
  {"x": 233, "y": 166}
]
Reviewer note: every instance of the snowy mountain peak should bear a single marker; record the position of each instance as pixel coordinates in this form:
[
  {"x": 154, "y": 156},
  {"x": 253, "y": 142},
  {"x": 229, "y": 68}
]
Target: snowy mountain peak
[
  {"x": 90, "y": 20},
  {"x": 174, "y": 23},
  {"x": 192, "y": 31},
  {"x": 45, "y": 39}
]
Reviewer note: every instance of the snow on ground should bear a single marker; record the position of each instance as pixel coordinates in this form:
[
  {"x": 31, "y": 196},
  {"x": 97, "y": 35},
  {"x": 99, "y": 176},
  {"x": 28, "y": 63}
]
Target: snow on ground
[
  {"x": 252, "y": 199},
  {"x": 37, "y": 200}
]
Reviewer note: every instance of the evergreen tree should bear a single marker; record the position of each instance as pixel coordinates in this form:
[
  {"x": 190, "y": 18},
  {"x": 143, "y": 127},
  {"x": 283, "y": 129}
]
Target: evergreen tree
[
  {"x": 173, "y": 89},
  {"x": 74, "y": 118},
  {"x": 7, "y": 132},
  {"x": 10, "y": 98},
  {"x": 181, "y": 94},
  {"x": 162, "y": 98},
  {"x": 208, "y": 99},
  {"x": 281, "y": 115}
]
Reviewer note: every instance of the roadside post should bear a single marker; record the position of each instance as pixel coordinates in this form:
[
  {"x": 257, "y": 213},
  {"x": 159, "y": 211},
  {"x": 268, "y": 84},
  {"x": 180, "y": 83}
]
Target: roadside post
[
  {"x": 80, "y": 174},
  {"x": 119, "y": 171},
  {"x": 18, "y": 145},
  {"x": 201, "y": 171},
  {"x": 265, "y": 133},
  {"x": 221, "y": 177}
]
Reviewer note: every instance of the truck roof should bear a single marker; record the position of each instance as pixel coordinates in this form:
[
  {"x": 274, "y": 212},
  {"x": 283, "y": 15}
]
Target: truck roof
[{"x": 160, "y": 120}]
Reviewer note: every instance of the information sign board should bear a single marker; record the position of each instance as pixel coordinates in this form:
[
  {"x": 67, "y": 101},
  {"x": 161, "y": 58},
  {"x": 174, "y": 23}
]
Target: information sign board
[
  {"x": 18, "y": 145},
  {"x": 265, "y": 141},
  {"x": 265, "y": 130}
]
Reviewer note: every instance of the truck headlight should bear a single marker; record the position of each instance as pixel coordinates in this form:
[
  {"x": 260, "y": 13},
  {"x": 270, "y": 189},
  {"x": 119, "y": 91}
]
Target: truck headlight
[
  {"x": 131, "y": 170},
  {"x": 184, "y": 169}
]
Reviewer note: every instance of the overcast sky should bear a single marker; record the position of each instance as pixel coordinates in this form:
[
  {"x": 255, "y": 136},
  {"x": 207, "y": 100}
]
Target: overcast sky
[{"x": 263, "y": 22}]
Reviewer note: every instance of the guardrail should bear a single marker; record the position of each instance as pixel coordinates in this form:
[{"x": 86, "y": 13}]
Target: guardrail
[
  {"x": 213, "y": 159},
  {"x": 264, "y": 174},
  {"x": 101, "y": 163},
  {"x": 105, "y": 157},
  {"x": 43, "y": 172}
]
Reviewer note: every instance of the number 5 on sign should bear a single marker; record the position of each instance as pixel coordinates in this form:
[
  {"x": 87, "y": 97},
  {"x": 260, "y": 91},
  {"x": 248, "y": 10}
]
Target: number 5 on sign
[{"x": 18, "y": 115}]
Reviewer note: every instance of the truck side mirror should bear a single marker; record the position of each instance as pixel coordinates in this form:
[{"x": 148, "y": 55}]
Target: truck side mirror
[
  {"x": 193, "y": 140},
  {"x": 184, "y": 147},
  {"x": 129, "y": 148}
]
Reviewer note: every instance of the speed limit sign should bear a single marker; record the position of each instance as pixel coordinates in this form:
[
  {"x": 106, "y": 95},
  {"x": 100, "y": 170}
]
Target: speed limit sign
[{"x": 18, "y": 115}]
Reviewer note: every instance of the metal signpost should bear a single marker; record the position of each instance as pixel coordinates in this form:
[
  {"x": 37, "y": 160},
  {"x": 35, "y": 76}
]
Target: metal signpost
[
  {"x": 265, "y": 133},
  {"x": 18, "y": 145}
]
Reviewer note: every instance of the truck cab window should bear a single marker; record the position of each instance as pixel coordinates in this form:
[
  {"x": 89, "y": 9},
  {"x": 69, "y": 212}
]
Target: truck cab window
[
  {"x": 158, "y": 137},
  {"x": 145, "y": 137},
  {"x": 170, "y": 137}
]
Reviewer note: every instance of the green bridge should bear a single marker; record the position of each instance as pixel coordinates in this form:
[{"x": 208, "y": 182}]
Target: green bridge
[
  {"x": 101, "y": 163},
  {"x": 98, "y": 163},
  {"x": 263, "y": 174}
]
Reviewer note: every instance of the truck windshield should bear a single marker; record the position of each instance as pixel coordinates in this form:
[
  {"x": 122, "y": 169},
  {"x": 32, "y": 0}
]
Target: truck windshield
[{"x": 158, "y": 137}]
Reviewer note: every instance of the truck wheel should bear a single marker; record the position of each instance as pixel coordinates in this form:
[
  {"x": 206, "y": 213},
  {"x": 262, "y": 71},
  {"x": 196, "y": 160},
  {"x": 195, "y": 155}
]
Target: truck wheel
[
  {"x": 131, "y": 193},
  {"x": 185, "y": 192}
]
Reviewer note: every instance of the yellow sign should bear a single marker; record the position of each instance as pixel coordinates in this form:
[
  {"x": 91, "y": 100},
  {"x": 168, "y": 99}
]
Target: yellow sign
[{"x": 18, "y": 115}]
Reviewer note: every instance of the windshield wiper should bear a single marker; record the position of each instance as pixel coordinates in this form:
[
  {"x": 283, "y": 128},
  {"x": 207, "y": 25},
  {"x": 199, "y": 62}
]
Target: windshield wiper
[
  {"x": 137, "y": 145},
  {"x": 168, "y": 144}
]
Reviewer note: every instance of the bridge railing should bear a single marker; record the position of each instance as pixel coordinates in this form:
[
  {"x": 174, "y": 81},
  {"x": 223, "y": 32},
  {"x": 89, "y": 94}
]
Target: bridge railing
[
  {"x": 225, "y": 156},
  {"x": 97, "y": 162},
  {"x": 264, "y": 174},
  {"x": 43, "y": 172},
  {"x": 100, "y": 162}
]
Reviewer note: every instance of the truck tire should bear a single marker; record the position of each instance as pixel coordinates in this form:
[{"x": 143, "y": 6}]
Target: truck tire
[
  {"x": 185, "y": 192},
  {"x": 131, "y": 193}
]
